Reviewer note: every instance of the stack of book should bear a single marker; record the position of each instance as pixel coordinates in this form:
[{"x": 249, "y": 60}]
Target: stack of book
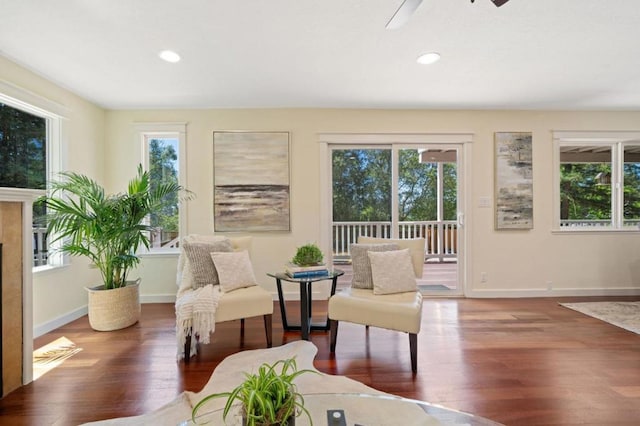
[{"x": 296, "y": 271}]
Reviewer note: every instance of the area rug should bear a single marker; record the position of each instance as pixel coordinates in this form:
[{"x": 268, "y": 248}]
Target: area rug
[
  {"x": 52, "y": 355},
  {"x": 230, "y": 372},
  {"x": 622, "y": 314}
]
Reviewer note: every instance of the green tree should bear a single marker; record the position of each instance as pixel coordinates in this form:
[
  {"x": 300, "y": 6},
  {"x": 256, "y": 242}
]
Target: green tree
[
  {"x": 450, "y": 201},
  {"x": 585, "y": 191},
  {"x": 23, "y": 153},
  {"x": 631, "y": 191},
  {"x": 23, "y": 145},
  {"x": 417, "y": 188},
  {"x": 362, "y": 185},
  {"x": 163, "y": 170}
]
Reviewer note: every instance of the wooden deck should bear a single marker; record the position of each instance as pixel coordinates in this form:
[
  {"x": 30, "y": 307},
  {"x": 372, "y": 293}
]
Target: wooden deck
[{"x": 435, "y": 276}]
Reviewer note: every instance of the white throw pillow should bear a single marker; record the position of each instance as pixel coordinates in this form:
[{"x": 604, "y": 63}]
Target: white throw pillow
[
  {"x": 361, "y": 265},
  {"x": 416, "y": 247},
  {"x": 392, "y": 272},
  {"x": 234, "y": 270}
]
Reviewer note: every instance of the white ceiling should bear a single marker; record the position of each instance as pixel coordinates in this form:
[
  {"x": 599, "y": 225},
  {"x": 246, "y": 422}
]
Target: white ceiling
[{"x": 527, "y": 54}]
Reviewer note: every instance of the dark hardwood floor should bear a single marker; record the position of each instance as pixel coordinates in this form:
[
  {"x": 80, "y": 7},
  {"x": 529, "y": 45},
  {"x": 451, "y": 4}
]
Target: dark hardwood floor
[{"x": 516, "y": 361}]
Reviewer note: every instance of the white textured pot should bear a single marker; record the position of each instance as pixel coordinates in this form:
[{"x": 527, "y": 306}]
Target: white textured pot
[{"x": 115, "y": 308}]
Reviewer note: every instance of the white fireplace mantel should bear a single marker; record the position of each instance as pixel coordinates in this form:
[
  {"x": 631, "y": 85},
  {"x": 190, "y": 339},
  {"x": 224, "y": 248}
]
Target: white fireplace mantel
[{"x": 26, "y": 197}]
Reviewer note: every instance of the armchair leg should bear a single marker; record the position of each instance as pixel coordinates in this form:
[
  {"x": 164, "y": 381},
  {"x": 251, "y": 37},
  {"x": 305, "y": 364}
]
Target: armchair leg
[
  {"x": 413, "y": 348},
  {"x": 333, "y": 326},
  {"x": 187, "y": 348},
  {"x": 268, "y": 329},
  {"x": 241, "y": 327}
]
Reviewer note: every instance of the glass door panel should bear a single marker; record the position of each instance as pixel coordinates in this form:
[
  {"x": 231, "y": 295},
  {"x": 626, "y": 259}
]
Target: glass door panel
[{"x": 428, "y": 207}]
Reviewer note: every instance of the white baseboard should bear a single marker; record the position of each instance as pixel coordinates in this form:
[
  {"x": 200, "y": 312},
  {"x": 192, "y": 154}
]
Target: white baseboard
[
  {"x": 295, "y": 295},
  {"x": 158, "y": 298},
  {"x": 564, "y": 292},
  {"x": 48, "y": 326}
]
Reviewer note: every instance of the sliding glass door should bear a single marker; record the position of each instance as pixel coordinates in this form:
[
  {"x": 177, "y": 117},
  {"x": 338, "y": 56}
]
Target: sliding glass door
[{"x": 399, "y": 191}]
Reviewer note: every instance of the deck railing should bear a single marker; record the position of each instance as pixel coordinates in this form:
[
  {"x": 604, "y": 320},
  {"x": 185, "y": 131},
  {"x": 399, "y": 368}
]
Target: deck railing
[
  {"x": 159, "y": 239},
  {"x": 40, "y": 246},
  {"x": 440, "y": 236}
]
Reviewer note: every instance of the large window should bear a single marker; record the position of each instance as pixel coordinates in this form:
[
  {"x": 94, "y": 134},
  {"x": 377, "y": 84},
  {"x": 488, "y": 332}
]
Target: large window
[
  {"x": 29, "y": 156},
  {"x": 598, "y": 180},
  {"x": 163, "y": 146}
]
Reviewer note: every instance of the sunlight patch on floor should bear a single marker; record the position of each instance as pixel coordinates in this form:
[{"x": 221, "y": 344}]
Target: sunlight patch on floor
[{"x": 52, "y": 355}]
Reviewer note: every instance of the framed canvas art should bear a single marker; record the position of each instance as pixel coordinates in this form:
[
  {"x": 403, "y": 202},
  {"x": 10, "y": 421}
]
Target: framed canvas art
[
  {"x": 513, "y": 180},
  {"x": 251, "y": 181}
]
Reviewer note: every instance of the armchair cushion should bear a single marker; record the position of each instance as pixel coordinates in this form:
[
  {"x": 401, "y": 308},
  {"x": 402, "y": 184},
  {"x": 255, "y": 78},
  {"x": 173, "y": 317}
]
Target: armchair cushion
[
  {"x": 234, "y": 270},
  {"x": 201, "y": 265},
  {"x": 392, "y": 272},
  {"x": 361, "y": 264},
  {"x": 400, "y": 311}
]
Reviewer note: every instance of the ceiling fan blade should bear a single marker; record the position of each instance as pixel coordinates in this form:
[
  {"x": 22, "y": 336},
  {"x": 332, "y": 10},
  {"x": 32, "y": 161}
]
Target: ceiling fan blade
[
  {"x": 403, "y": 13},
  {"x": 499, "y": 3}
]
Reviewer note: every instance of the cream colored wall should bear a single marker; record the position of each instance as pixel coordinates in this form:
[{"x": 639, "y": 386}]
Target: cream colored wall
[
  {"x": 59, "y": 294},
  {"x": 102, "y": 144},
  {"x": 517, "y": 263}
]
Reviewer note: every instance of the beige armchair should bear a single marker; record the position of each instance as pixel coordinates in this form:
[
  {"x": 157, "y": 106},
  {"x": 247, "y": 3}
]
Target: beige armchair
[
  {"x": 214, "y": 288},
  {"x": 383, "y": 292}
]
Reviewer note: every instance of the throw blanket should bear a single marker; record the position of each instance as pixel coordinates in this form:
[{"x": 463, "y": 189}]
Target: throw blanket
[
  {"x": 195, "y": 314},
  {"x": 195, "y": 309}
]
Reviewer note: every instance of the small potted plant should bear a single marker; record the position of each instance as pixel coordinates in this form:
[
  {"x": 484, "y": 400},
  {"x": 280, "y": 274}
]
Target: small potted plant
[
  {"x": 308, "y": 255},
  {"x": 268, "y": 397}
]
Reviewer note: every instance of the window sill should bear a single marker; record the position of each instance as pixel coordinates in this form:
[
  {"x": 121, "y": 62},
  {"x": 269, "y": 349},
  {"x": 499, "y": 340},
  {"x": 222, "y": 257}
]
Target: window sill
[
  {"x": 38, "y": 270},
  {"x": 595, "y": 231},
  {"x": 161, "y": 253}
]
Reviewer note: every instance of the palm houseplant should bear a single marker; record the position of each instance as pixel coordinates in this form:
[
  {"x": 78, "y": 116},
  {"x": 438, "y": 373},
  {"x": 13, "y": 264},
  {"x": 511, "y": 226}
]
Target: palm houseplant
[
  {"x": 108, "y": 229},
  {"x": 267, "y": 397}
]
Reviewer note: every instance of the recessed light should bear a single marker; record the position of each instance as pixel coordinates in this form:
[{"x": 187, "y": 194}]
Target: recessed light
[
  {"x": 428, "y": 58},
  {"x": 169, "y": 56}
]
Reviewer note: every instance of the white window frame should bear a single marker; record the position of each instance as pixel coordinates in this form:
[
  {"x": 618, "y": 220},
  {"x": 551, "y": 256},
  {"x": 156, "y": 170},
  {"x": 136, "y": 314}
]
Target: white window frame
[
  {"x": 395, "y": 141},
  {"x": 616, "y": 141},
  {"x": 56, "y": 129},
  {"x": 178, "y": 130}
]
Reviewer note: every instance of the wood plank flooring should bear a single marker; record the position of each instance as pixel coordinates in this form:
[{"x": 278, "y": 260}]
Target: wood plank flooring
[{"x": 516, "y": 361}]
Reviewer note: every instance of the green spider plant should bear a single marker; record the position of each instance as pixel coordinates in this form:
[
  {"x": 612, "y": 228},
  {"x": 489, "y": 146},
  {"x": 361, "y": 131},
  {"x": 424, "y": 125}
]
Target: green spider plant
[
  {"x": 108, "y": 229},
  {"x": 268, "y": 397}
]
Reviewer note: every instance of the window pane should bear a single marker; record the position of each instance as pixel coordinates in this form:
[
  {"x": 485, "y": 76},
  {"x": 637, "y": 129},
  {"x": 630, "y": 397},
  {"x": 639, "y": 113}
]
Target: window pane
[
  {"x": 23, "y": 164},
  {"x": 585, "y": 186},
  {"x": 450, "y": 191},
  {"x": 23, "y": 144},
  {"x": 163, "y": 167},
  {"x": 418, "y": 184},
  {"x": 417, "y": 188},
  {"x": 362, "y": 185},
  {"x": 631, "y": 197}
]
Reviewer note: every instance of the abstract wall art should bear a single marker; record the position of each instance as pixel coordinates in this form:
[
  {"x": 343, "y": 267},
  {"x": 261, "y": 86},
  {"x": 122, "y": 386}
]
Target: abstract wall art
[
  {"x": 513, "y": 180},
  {"x": 251, "y": 181}
]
